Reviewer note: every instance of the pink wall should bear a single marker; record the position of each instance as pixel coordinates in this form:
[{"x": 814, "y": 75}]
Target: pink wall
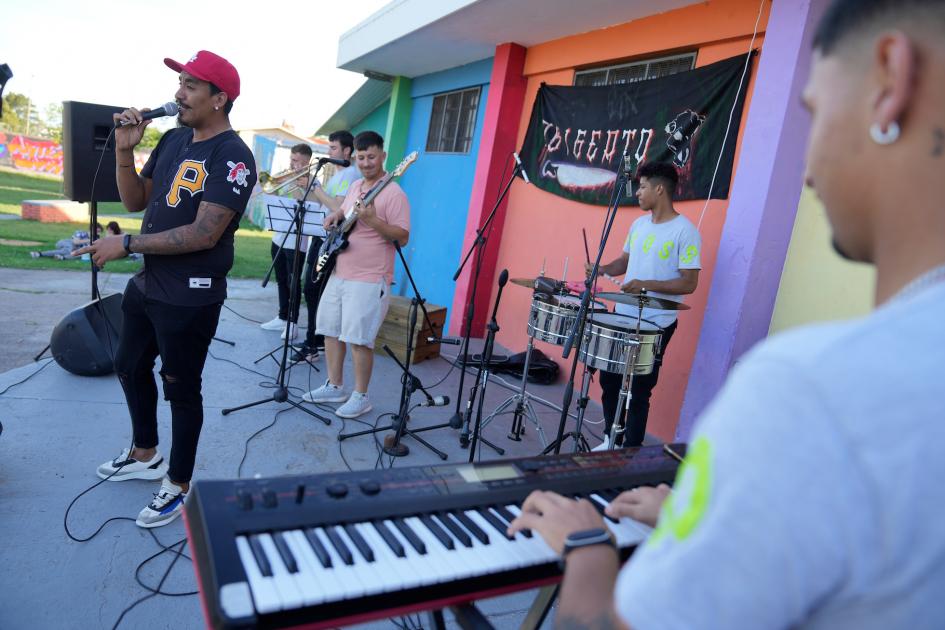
[{"x": 540, "y": 225}]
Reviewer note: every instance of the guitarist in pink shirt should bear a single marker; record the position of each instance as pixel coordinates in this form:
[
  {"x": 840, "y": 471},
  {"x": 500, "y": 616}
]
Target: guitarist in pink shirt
[{"x": 356, "y": 297}]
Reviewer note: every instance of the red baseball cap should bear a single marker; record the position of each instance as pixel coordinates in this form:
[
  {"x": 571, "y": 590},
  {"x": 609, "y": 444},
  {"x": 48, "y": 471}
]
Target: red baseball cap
[{"x": 212, "y": 68}]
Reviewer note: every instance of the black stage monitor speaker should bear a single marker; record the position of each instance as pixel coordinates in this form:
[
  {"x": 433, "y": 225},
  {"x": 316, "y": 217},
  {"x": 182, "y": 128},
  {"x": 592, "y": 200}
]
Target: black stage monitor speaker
[
  {"x": 84, "y": 342},
  {"x": 85, "y": 129}
]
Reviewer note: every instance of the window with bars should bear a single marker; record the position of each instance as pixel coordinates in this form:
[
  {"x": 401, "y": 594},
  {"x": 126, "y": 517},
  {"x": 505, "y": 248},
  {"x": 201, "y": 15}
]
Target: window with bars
[
  {"x": 635, "y": 71},
  {"x": 453, "y": 121}
]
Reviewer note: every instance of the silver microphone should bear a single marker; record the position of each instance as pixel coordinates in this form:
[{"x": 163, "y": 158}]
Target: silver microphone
[
  {"x": 521, "y": 168},
  {"x": 436, "y": 401}
]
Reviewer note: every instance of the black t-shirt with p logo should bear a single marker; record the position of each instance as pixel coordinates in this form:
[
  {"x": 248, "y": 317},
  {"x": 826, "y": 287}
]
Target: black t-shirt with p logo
[{"x": 184, "y": 174}]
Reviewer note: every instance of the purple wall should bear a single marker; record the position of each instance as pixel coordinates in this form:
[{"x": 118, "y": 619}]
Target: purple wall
[{"x": 763, "y": 206}]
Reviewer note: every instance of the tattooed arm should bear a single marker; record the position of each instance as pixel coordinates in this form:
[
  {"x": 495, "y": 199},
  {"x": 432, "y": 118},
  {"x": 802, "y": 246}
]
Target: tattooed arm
[
  {"x": 210, "y": 224},
  {"x": 203, "y": 233}
]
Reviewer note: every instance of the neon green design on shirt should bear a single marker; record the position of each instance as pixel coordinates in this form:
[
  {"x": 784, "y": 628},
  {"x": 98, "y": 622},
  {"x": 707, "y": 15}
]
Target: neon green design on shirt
[
  {"x": 693, "y": 484},
  {"x": 665, "y": 250},
  {"x": 691, "y": 252},
  {"x": 648, "y": 243}
]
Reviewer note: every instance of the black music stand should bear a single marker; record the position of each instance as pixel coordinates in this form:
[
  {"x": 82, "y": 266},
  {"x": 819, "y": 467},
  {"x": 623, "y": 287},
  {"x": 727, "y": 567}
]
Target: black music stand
[
  {"x": 280, "y": 393},
  {"x": 461, "y": 420},
  {"x": 577, "y": 329},
  {"x": 410, "y": 384},
  {"x": 281, "y": 219}
]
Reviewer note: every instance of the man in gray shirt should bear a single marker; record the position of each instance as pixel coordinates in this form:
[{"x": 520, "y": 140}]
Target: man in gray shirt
[{"x": 811, "y": 495}]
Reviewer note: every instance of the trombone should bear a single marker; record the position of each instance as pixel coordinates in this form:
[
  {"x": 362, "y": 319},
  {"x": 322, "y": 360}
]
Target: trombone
[{"x": 286, "y": 182}]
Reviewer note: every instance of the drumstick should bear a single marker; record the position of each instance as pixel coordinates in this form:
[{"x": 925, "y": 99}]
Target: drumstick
[
  {"x": 587, "y": 252},
  {"x": 564, "y": 276}
]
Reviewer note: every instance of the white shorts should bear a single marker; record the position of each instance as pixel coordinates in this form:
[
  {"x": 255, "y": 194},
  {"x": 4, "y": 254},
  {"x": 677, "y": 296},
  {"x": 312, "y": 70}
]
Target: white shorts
[{"x": 352, "y": 311}]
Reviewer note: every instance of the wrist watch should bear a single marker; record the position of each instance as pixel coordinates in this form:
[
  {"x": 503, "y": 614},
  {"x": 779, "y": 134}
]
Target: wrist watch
[
  {"x": 587, "y": 538},
  {"x": 126, "y": 243}
]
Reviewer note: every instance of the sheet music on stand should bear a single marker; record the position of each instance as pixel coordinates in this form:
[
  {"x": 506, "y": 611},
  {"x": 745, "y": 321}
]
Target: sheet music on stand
[{"x": 281, "y": 210}]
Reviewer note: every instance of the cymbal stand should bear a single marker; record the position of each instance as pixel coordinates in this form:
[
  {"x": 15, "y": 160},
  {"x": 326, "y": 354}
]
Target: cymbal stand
[{"x": 626, "y": 385}]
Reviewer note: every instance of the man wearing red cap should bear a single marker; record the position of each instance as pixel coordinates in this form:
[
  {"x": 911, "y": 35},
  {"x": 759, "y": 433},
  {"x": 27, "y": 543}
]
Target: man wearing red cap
[{"x": 193, "y": 190}]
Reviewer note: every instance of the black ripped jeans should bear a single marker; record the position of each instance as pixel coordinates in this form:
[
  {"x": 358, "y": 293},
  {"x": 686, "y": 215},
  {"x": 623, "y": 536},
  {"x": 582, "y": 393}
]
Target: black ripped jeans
[{"x": 181, "y": 335}]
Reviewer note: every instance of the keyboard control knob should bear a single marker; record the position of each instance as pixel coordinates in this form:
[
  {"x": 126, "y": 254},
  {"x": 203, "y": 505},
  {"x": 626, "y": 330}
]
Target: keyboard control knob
[
  {"x": 370, "y": 488},
  {"x": 244, "y": 500},
  {"x": 337, "y": 490},
  {"x": 269, "y": 498}
]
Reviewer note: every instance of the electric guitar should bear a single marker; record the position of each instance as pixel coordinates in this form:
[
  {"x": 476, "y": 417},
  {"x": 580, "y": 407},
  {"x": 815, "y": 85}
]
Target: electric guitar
[{"x": 336, "y": 240}]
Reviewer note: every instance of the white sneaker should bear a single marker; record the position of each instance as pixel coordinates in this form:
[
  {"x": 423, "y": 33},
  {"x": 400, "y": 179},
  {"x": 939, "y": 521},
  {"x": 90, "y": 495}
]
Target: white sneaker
[
  {"x": 293, "y": 332},
  {"x": 125, "y": 467},
  {"x": 326, "y": 393},
  {"x": 273, "y": 324},
  {"x": 357, "y": 405},
  {"x": 603, "y": 446},
  {"x": 167, "y": 505}
]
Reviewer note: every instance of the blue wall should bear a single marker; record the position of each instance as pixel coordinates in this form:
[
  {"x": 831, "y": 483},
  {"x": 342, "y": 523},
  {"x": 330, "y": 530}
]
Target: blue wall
[
  {"x": 375, "y": 121},
  {"x": 438, "y": 186}
]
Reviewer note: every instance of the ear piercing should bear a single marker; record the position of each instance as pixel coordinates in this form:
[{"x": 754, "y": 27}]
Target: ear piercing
[{"x": 886, "y": 136}]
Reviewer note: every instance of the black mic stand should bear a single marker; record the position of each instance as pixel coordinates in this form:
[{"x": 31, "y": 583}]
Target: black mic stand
[
  {"x": 483, "y": 375},
  {"x": 479, "y": 244},
  {"x": 280, "y": 393},
  {"x": 410, "y": 384},
  {"x": 577, "y": 328}
]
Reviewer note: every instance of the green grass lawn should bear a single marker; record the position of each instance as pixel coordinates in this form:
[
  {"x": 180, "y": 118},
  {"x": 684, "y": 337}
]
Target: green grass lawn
[{"x": 252, "y": 257}]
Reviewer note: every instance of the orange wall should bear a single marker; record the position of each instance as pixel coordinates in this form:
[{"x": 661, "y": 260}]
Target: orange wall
[{"x": 539, "y": 225}]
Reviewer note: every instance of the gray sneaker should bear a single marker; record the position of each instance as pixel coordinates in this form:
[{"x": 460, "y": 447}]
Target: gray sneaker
[
  {"x": 167, "y": 505},
  {"x": 357, "y": 405},
  {"x": 326, "y": 393},
  {"x": 126, "y": 467}
]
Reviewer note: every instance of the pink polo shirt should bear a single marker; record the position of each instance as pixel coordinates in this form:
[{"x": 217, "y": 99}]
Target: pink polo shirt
[{"x": 369, "y": 256}]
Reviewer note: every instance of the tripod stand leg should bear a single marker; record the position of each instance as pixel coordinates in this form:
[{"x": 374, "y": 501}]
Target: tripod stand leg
[
  {"x": 517, "y": 426},
  {"x": 42, "y": 352},
  {"x": 230, "y": 410}
]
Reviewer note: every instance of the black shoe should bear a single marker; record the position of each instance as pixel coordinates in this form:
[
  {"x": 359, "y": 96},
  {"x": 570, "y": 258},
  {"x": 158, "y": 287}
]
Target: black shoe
[{"x": 304, "y": 352}]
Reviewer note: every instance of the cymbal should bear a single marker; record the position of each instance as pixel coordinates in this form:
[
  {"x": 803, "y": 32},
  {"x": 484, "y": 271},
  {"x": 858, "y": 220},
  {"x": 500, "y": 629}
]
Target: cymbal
[{"x": 635, "y": 299}]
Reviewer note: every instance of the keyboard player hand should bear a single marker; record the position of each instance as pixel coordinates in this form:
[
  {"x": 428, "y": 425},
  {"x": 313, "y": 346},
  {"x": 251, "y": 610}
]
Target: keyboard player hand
[
  {"x": 641, "y": 504},
  {"x": 555, "y": 517}
]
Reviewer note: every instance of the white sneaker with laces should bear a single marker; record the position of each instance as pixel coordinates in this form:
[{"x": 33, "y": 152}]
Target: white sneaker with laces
[
  {"x": 167, "y": 505},
  {"x": 126, "y": 467},
  {"x": 603, "y": 446},
  {"x": 326, "y": 393},
  {"x": 273, "y": 324},
  {"x": 293, "y": 332},
  {"x": 357, "y": 405}
]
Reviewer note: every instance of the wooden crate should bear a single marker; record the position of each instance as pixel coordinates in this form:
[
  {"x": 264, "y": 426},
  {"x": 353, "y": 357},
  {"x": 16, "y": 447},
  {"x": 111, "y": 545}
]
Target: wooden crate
[{"x": 393, "y": 332}]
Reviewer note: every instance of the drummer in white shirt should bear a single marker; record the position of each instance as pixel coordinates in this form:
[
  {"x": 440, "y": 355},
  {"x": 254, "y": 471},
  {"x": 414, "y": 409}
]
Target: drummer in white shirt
[{"x": 662, "y": 256}]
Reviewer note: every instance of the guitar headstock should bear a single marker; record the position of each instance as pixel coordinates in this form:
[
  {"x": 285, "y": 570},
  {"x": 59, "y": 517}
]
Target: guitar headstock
[{"x": 404, "y": 164}]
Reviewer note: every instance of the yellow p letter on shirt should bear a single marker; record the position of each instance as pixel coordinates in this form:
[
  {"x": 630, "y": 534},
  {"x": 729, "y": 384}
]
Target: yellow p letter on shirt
[{"x": 190, "y": 176}]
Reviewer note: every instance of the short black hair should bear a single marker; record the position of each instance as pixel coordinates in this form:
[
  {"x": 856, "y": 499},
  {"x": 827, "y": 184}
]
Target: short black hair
[
  {"x": 344, "y": 138},
  {"x": 367, "y": 139},
  {"x": 302, "y": 148},
  {"x": 114, "y": 227},
  {"x": 662, "y": 172},
  {"x": 214, "y": 90},
  {"x": 844, "y": 18}
]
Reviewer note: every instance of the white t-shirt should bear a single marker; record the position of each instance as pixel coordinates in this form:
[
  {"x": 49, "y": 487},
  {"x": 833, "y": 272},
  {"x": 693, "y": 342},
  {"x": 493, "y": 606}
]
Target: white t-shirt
[
  {"x": 812, "y": 495},
  {"x": 657, "y": 252}
]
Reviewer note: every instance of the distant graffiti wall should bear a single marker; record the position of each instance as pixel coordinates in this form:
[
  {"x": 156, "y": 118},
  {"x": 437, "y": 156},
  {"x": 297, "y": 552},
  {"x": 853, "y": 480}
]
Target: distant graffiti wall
[{"x": 30, "y": 154}]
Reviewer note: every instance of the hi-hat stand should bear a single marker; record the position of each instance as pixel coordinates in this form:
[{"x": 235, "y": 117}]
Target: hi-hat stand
[
  {"x": 576, "y": 334},
  {"x": 280, "y": 393},
  {"x": 410, "y": 384},
  {"x": 461, "y": 419}
]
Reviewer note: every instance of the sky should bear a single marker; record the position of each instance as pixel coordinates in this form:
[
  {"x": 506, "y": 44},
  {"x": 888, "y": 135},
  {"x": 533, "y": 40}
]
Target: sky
[{"x": 112, "y": 53}]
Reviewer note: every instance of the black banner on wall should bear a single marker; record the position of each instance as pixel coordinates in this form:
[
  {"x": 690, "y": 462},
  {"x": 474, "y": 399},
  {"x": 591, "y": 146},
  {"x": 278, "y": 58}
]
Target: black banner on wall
[{"x": 577, "y": 136}]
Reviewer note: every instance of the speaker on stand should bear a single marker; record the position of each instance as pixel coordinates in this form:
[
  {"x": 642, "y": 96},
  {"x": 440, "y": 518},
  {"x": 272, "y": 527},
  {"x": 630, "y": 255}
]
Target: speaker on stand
[{"x": 84, "y": 342}]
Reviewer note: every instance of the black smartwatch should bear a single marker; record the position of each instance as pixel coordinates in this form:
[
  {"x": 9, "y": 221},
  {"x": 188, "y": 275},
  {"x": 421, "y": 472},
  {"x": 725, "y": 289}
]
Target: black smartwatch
[
  {"x": 126, "y": 243},
  {"x": 587, "y": 538}
]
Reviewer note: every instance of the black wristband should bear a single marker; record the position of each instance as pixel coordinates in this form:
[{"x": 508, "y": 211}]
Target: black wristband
[{"x": 126, "y": 243}]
